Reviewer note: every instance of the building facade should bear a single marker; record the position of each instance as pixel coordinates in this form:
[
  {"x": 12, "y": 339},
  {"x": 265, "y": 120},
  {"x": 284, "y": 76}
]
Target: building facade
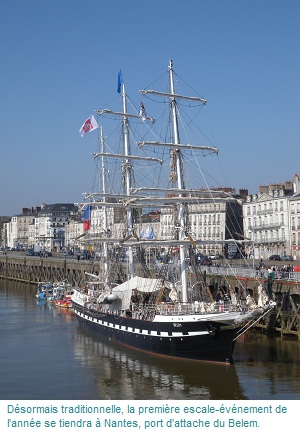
[
  {"x": 41, "y": 228},
  {"x": 50, "y": 223},
  {"x": 209, "y": 219},
  {"x": 272, "y": 220},
  {"x": 268, "y": 221}
]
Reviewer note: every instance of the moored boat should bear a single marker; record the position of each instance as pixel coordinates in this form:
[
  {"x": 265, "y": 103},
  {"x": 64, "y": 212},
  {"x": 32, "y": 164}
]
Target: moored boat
[
  {"x": 64, "y": 302},
  {"x": 44, "y": 290},
  {"x": 159, "y": 311},
  {"x": 64, "y": 294}
]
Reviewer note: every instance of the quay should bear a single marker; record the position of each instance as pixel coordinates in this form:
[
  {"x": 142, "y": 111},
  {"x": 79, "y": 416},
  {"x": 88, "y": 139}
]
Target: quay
[
  {"x": 37, "y": 269},
  {"x": 284, "y": 320}
]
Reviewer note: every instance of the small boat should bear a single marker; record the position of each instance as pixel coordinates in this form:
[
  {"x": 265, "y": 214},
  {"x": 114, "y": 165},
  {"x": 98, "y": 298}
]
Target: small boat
[
  {"x": 61, "y": 286},
  {"x": 156, "y": 309},
  {"x": 44, "y": 290},
  {"x": 41, "y": 296},
  {"x": 63, "y": 298},
  {"x": 58, "y": 292},
  {"x": 64, "y": 302}
]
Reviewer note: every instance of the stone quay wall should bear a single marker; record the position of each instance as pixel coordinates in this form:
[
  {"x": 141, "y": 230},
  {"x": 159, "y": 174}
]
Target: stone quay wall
[{"x": 285, "y": 319}]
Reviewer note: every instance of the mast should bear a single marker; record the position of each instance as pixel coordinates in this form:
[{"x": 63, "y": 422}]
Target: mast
[
  {"x": 175, "y": 154},
  {"x": 105, "y": 248},
  {"x": 128, "y": 173},
  {"x": 180, "y": 185},
  {"x": 127, "y": 165}
]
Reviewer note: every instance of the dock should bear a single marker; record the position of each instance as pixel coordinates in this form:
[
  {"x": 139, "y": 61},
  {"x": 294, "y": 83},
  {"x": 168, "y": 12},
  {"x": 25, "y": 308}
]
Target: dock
[{"x": 284, "y": 320}]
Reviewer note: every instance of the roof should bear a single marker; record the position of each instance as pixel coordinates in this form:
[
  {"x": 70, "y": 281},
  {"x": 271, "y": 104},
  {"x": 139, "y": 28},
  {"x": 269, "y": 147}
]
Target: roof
[{"x": 58, "y": 208}]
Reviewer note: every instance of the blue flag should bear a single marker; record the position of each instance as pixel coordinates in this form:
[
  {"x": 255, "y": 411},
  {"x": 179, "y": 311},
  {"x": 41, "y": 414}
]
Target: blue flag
[
  {"x": 120, "y": 81},
  {"x": 151, "y": 235},
  {"x": 87, "y": 213}
]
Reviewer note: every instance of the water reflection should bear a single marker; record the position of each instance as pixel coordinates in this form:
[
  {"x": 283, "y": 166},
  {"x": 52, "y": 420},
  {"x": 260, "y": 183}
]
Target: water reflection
[
  {"x": 65, "y": 313},
  {"x": 122, "y": 373},
  {"x": 269, "y": 366},
  {"x": 46, "y": 355}
]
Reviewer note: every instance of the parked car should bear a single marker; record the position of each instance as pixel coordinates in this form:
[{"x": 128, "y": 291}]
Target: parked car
[
  {"x": 45, "y": 254},
  {"x": 205, "y": 261},
  {"x": 287, "y": 258},
  {"x": 29, "y": 252},
  {"x": 84, "y": 255},
  {"x": 67, "y": 253},
  {"x": 236, "y": 255},
  {"x": 215, "y": 257},
  {"x": 275, "y": 258}
]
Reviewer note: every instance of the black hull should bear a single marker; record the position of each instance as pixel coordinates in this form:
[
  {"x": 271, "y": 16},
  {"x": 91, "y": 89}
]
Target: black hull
[{"x": 201, "y": 340}]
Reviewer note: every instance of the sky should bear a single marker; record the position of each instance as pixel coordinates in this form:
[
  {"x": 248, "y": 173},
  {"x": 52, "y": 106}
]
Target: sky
[{"x": 60, "y": 61}]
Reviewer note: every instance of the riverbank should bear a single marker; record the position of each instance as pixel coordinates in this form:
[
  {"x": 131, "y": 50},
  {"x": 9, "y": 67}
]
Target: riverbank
[
  {"x": 284, "y": 320},
  {"x": 85, "y": 367}
]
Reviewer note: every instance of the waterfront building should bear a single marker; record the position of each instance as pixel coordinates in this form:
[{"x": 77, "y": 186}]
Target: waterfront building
[
  {"x": 219, "y": 218},
  {"x": 73, "y": 234},
  {"x": 41, "y": 228},
  {"x": 294, "y": 213},
  {"x": 5, "y": 234},
  {"x": 111, "y": 222},
  {"x": 271, "y": 220},
  {"x": 57, "y": 227},
  {"x": 216, "y": 218},
  {"x": 19, "y": 229},
  {"x": 50, "y": 225}
]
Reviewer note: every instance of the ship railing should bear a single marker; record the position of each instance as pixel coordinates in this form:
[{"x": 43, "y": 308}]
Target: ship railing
[
  {"x": 148, "y": 311},
  {"x": 251, "y": 273},
  {"x": 295, "y": 277},
  {"x": 141, "y": 311},
  {"x": 198, "y": 308}
]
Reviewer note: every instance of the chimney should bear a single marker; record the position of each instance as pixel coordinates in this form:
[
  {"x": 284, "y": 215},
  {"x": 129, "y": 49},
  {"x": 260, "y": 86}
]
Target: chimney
[{"x": 244, "y": 192}]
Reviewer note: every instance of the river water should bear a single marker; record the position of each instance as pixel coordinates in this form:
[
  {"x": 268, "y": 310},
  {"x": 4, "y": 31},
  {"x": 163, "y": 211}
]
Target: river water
[{"x": 45, "y": 355}]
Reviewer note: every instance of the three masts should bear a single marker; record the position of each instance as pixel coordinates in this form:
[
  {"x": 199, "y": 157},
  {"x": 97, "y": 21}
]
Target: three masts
[{"x": 139, "y": 312}]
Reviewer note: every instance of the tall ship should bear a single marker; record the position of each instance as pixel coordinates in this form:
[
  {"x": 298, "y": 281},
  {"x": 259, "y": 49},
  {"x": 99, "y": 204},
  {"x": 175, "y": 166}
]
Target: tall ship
[{"x": 152, "y": 304}]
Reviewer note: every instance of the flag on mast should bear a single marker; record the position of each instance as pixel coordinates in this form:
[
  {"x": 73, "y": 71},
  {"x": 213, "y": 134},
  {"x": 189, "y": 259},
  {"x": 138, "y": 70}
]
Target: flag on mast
[
  {"x": 120, "y": 82},
  {"x": 143, "y": 113},
  {"x": 86, "y": 217},
  {"x": 151, "y": 235},
  {"x": 89, "y": 125}
]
